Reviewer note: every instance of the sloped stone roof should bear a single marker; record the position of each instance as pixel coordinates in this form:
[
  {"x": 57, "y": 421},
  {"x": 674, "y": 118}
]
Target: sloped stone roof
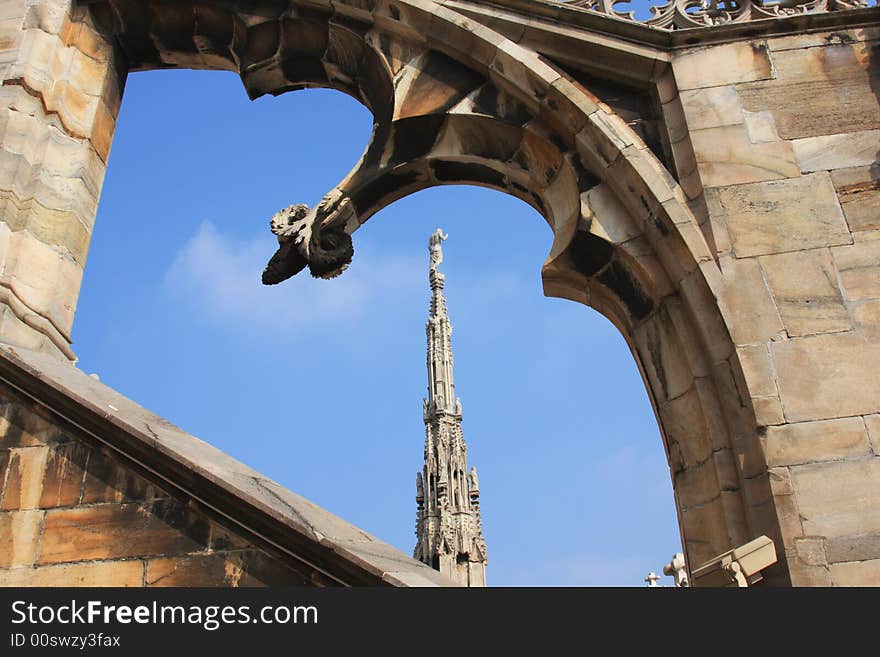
[{"x": 239, "y": 495}]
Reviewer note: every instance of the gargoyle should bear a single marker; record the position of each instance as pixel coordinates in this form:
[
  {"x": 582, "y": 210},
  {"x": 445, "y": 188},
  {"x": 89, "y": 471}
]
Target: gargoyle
[{"x": 314, "y": 238}]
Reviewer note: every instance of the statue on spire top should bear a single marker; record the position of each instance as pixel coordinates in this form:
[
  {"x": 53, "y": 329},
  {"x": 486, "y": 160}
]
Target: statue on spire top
[{"x": 436, "y": 248}]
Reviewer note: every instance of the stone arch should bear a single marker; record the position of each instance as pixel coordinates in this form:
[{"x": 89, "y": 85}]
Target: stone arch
[{"x": 437, "y": 83}]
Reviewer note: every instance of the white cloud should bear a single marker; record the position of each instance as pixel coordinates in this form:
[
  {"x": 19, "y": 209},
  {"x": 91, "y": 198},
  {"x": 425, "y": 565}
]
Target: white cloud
[{"x": 218, "y": 276}]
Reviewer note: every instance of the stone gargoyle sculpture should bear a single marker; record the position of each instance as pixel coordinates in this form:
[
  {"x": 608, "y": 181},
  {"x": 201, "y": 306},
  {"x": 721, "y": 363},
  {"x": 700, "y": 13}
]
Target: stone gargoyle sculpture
[{"x": 314, "y": 238}]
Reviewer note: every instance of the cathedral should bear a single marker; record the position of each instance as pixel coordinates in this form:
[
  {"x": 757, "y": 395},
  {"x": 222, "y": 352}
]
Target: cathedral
[{"x": 449, "y": 528}]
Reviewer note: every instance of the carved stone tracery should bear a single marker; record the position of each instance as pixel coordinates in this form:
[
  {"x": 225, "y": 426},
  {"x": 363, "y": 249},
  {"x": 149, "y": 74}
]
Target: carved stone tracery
[{"x": 683, "y": 14}]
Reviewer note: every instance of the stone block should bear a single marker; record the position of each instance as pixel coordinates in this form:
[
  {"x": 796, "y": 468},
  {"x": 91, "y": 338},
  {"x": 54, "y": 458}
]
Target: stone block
[
  {"x": 866, "y": 316},
  {"x": 811, "y": 40},
  {"x": 804, "y": 284},
  {"x": 609, "y": 219},
  {"x": 768, "y": 411},
  {"x": 45, "y": 279},
  {"x": 24, "y": 479},
  {"x": 755, "y": 363},
  {"x": 861, "y": 547},
  {"x": 696, "y": 485},
  {"x": 249, "y": 568},
  {"x": 726, "y": 156},
  {"x": 748, "y": 306},
  {"x": 827, "y": 376},
  {"x": 106, "y": 480},
  {"x": 110, "y": 531},
  {"x": 805, "y": 575},
  {"x": 686, "y": 431},
  {"x": 822, "y": 440},
  {"x": 97, "y": 573},
  {"x": 832, "y": 81},
  {"x": 663, "y": 357},
  {"x": 705, "y": 532},
  {"x": 784, "y": 215},
  {"x": 19, "y": 427},
  {"x": 790, "y": 525},
  {"x": 811, "y": 550},
  {"x": 859, "y": 269},
  {"x": 780, "y": 481},
  {"x": 63, "y": 479},
  {"x": 19, "y": 537},
  {"x": 840, "y": 151},
  {"x": 761, "y": 127},
  {"x": 839, "y": 498},
  {"x": 859, "y": 192},
  {"x": 872, "y": 423},
  {"x": 720, "y": 65},
  {"x": 856, "y": 573},
  {"x": 711, "y": 108},
  {"x": 602, "y": 139}
]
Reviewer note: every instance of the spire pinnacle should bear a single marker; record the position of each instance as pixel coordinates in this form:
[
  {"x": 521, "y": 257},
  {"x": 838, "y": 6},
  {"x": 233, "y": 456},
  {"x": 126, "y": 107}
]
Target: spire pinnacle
[{"x": 449, "y": 526}]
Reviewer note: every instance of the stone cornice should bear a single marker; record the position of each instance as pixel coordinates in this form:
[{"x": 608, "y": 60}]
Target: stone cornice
[{"x": 662, "y": 38}]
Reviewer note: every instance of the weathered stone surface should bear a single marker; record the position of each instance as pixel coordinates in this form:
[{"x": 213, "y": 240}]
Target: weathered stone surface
[
  {"x": 726, "y": 156},
  {"x": 859, "y": 269},
  {"x": 63, "y": 479},
  {"x": 696, "y": 485},
  {"x": 686, "y": 430},
  {"x": 110, "y": 531},
  {"x": 805, "y": 575},
  {"x": 96, "y": 573},
  {"x": 872, "y": 423},
  {"x": 842, "y": 151},
  {"x": 663, "y": 358},
  {"x": 841, "y": 378},
  {"x": 105, "y": 481},
  {"x": 856, "y": 573},
  {"x": 836, "y": 499},
  {"x": 706, "y": 529},
  {"x": 832, "y": 81},
  {"x": 861, "y": 547},
  {"x": 859, "y": 192},
  {"x": 784, "y": 215},
  {"x": 726, "y": 64},
  {"x": 867, "y": 317},
  {"x": 19, "y": 536},
  {"x": 223, "y": 569},
  {"x": 751, "y": 313},
  {"x": 760, "y": 127},
  {"x": 755, "y": 362},
  {"x": 24, "y": 481},
  {"x": 804, "y": 285},
  {"x": 711, "y": 107},
  {"x": 824, "y": 440},
  {"x": 789, "y": 518},
  {"x": 768, "y": 411},
  {"x": 811, "y": 550}
]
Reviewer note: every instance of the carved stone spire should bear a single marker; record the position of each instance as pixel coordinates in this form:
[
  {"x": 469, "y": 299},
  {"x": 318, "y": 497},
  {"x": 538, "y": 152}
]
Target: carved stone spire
[{"x": 449, "y": 529}]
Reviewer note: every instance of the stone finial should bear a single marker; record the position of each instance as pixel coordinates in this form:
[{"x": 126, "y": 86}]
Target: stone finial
[
  {"x": 677, "y": 569},
  {"x": 652, "y": 579}
]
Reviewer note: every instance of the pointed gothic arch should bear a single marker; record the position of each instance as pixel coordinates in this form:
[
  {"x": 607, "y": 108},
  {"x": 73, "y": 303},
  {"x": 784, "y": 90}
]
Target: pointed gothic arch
[{"x": 456, "y": 102}]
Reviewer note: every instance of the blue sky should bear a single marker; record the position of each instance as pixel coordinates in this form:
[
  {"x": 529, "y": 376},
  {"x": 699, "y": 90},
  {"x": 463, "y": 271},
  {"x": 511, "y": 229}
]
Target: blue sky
[{"x": 318, "y": 384}]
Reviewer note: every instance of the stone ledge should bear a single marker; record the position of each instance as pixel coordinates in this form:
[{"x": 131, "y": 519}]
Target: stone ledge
[{"x": 253, "y": 504}]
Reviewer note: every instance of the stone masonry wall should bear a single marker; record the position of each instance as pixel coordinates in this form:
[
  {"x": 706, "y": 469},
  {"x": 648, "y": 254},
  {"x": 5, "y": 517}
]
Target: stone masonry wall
[
  {"x": 786, "y": 134},
  {"x": 60, "y": 95},
  {"x": 71, "y": 514}
]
